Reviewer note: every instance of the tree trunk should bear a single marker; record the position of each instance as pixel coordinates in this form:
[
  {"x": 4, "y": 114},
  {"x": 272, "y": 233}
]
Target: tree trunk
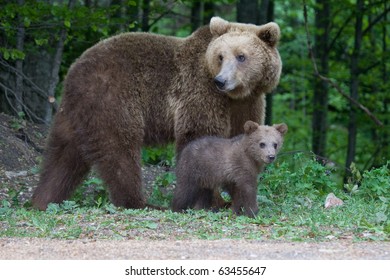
[
  {"x": 320, "y": 98},
  {"x": 18, "y": 107},
  {"x": 248, "y": 11},
  {"x": 385, "y": 78},
  {"x": 51, "y": 104},
  {"x": 266, "y": 15},
  {"x": 208, "y": 12},
  {"x": 196, "y": 14},
  {"x": 121, "y": 14},
  {"x": 354, "y": 84},
  {"x": 145, "y": 15}
]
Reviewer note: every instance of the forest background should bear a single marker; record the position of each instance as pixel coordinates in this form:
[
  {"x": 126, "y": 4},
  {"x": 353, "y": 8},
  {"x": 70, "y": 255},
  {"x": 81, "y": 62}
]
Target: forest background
[{"x": 334, "y": 91}]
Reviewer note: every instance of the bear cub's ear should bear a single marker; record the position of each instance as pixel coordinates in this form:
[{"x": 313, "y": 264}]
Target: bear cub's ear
[
  {"x": 250, "y": 127},
  {"x": 218, "y": 26},
  {"x": 282, "y": 128},
  {"x": 269, "y": 33}
]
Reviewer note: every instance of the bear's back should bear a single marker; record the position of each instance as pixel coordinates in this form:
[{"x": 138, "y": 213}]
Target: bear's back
[{"x": 209, "y": 156}]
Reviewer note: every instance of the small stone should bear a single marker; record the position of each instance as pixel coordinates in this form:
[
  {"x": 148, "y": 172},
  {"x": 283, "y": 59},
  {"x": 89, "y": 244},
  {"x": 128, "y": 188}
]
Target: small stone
[{"x": 332, "y": 201}]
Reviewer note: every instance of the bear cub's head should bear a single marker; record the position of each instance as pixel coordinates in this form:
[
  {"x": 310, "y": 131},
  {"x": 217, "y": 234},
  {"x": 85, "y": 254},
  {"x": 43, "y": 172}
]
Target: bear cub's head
[
  {"x": 243, "y": 58},
  {"x": 264, "y": 142}
]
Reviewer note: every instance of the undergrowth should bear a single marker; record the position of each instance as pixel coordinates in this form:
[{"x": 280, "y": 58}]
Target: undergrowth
[{"x": 291, "y": 195}]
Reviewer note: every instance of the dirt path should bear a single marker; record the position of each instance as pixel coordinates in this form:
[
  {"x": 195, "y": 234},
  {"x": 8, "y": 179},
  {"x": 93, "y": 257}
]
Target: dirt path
[{"x": 35, "y": 248}]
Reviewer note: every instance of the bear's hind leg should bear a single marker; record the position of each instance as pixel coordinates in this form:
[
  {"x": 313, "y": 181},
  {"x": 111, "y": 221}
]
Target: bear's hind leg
[
  {"x": 186, "y": 192},
  {"x": 63, "y": 170},
  {"x": 121, "y": 171},
  {"x": 205, "y": 199}
]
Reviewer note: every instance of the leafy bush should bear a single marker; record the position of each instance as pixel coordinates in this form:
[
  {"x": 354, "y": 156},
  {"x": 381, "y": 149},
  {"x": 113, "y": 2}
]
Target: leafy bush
[
  {"x": 297, "y": 179},
  {"x": 373, "y": 184}
]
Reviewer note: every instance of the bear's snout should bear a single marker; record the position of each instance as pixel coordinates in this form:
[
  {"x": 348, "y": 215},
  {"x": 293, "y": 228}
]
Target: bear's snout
[
  {"x": 271, "y": 158},
  {"x": 220, "y": 82}
]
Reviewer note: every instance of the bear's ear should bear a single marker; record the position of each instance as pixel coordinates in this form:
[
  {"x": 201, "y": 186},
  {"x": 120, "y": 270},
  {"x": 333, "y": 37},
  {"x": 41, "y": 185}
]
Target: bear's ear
[
  {"x": 282, "y": 128},
  {"x": 269, "y": 33},
  {"x": 218, "y": 26},
  {"x": 250, "y": 127}
]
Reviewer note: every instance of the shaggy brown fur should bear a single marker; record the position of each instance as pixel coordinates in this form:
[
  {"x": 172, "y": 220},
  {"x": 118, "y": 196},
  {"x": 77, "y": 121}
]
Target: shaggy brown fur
[
  {"x": 209, "y": 163},
  {"x": 138, "y": 88}
]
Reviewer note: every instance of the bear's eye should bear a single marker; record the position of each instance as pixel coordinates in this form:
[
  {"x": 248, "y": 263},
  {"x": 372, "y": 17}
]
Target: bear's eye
[
  {"x": 241, "y": 58},
  {"x": 220, "y": 57},
  {"x": 262, "y": 145},
  {"x": 275, "y": 146}
]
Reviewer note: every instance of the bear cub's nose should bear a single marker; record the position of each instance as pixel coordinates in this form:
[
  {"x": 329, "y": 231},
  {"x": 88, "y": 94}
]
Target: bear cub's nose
[
  {"x": 271, "y": 158},
  {"x": 219, "y": 82}
]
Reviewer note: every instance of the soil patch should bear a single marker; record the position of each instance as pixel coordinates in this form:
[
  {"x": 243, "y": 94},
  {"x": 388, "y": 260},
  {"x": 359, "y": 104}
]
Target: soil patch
[{"x": 35, "y": 248}]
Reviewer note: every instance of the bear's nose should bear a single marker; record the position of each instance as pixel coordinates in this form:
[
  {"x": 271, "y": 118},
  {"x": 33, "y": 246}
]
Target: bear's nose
[
  {"x": 271, "y": 158},
  {"x": 219, "y": 82}
]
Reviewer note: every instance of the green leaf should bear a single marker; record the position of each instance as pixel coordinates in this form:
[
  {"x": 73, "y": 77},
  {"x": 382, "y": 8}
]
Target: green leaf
[
  {"x": 67, "y": 23},
  {"x": 41, "y": 42},
  {"x": 6, "y": 54}
]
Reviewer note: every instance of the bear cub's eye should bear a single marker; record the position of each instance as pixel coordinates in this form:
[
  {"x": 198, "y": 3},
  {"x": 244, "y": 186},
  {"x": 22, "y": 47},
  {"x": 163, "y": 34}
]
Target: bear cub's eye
[
  {"x": 241, "y": 58},
  {"x": 220, "y": 57},
  {"x": 275, "y": 145},
  {"x": 262, "y": 145}
]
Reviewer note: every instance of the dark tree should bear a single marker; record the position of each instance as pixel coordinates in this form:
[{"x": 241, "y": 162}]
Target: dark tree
[
  {"x": 266, "y": 14},
  {"x": 196, "y": 14},
  {"x": 354, "y": 83},
  {"x": 248, "y": 11},
  {"x": 320, "y": 99},
  {"x": 145, "y": 15}
]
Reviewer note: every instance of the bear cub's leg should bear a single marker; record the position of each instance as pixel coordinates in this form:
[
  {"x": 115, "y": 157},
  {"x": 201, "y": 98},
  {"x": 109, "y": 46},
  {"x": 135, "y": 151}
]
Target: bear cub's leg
[
  {"x": 187, "y": 194},
  {"x": 244, "y": 199}
]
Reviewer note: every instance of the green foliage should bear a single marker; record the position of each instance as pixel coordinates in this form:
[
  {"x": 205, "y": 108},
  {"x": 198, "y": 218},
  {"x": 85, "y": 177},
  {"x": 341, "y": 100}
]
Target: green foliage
[
  {"x": 301, "y": 178},
  {"x": 373, "y": 184},
  {"x": 11, "y": 54},
  {"x": 376, "y": 182},
  {"x": 293, "y": 101},
  {"x": 296, "y": 190},
  {"x": 161, "y": 190},
  {"x": 92, "y": 193},
  {"x": 159, "y": 155}
]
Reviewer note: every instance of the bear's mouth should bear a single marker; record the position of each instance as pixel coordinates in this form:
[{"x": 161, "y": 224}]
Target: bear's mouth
[{"x": 238, "y": 92}]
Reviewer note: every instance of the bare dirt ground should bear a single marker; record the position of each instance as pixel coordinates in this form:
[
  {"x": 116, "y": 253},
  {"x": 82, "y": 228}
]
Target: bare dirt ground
[
  {"x": 50, "y": 249},
  {"x": 21, "y": 145}
]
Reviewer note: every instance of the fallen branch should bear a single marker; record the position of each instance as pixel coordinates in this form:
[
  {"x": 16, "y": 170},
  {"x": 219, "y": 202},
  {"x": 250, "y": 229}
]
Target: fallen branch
[{"x": 329, "y": 81}]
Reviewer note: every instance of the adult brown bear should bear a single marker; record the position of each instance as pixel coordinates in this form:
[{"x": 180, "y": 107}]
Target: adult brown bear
[{"x": 139, "y": 89}]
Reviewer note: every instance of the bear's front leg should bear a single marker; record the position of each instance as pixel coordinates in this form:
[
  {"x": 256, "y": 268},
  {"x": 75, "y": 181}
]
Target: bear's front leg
[{"x": 244, "y": 200}]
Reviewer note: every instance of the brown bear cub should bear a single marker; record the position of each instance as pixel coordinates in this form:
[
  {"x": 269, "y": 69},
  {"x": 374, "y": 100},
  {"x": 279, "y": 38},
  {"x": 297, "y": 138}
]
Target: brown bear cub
[{"x": 212, "y": 162}]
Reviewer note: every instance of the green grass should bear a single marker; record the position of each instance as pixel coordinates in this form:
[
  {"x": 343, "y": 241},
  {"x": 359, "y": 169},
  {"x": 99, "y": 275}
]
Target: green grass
[
  {"x": 356, "y": 219},
  {"x": 291, "y": 198}
]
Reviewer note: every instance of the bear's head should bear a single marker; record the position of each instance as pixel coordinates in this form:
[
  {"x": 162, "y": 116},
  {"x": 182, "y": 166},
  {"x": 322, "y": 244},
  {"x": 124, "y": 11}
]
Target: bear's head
[
  {"x": 243, "y": 58},
  {"x": 264, "y": 142}
]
